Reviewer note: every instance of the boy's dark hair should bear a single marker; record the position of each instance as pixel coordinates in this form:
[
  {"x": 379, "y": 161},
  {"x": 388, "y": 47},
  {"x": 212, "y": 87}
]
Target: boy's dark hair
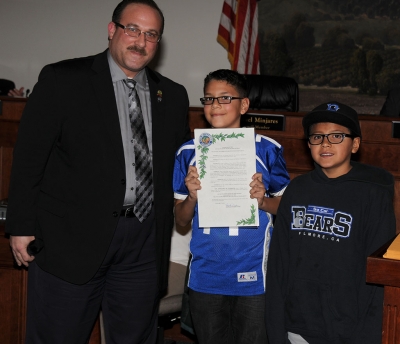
[
  {"x": 232, "y": 77},
  {"x": 333, "y": 112},
  {"x": 121, "y": 6}
]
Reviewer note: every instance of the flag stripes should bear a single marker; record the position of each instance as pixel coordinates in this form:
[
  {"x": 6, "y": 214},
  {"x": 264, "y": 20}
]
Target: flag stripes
[{"x": 238, "y": 34}]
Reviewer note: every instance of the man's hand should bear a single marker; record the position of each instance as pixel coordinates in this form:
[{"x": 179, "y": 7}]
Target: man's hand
[
  {"x": 18, "y": 246},
  {"x": 16, "y": 92}
]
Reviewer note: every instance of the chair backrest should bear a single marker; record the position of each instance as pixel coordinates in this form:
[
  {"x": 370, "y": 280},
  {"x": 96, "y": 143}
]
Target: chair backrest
[
  {"x": 6, "y": 86},
  {"x": 267, "y": 92}
]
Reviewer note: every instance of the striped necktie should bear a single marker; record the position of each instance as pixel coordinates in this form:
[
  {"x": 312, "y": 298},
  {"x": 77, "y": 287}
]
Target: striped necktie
[{"x": 143, "y": 168}]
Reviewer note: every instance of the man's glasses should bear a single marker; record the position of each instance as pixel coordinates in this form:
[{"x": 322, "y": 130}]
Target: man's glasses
[
  {"x": 135, "y": 32},
  {"x": 334, "y": 138},
  {"x": 221, "y": 100}
]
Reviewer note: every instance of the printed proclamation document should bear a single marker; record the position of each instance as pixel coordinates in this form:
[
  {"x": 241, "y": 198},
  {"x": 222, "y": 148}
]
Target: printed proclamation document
[{"x": 226, "y": 162}]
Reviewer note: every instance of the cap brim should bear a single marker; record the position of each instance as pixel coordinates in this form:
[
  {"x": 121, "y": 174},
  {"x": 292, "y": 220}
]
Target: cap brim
[{"x": 331, "y": 117}]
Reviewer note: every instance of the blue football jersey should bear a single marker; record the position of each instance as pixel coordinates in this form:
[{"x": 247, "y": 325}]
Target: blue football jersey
[{"x": 232, "y": 260}]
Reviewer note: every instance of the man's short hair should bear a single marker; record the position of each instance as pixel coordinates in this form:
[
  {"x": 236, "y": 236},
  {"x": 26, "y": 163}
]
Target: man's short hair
[
  {"x": 237, "y": 80},
  {"x": 116, "y": 17}
]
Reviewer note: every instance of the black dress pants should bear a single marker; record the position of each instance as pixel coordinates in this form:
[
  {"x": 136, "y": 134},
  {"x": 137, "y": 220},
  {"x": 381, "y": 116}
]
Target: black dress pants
[{"x": 125, "y": 288}]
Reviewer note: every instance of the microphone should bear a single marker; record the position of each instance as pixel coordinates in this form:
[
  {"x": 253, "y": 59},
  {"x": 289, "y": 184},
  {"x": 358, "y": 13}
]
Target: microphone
[{"x": 34, "y": 247}]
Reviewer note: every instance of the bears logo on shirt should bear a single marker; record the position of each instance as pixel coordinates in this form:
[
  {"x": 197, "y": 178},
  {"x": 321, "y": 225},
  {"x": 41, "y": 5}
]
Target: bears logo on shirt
[{"x": 321, "y": 220}]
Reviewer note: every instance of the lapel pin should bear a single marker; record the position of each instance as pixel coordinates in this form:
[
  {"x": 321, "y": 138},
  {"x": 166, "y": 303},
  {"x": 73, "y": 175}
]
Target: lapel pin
[{"x": 159, "y": 95}]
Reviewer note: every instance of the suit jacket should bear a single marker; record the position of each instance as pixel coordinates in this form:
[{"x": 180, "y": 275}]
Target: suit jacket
[{"x": 68, "y": 176}]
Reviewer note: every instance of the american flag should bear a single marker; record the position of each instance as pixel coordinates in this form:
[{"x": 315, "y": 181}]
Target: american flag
[{"x": 238, "y": 34}]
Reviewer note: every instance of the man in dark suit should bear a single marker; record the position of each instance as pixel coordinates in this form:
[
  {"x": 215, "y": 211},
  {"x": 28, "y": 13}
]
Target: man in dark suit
[{"x": 73, "y": 188}]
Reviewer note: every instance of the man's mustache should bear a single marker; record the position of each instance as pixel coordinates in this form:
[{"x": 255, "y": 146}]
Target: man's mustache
[{"x": 138, "y": 50}]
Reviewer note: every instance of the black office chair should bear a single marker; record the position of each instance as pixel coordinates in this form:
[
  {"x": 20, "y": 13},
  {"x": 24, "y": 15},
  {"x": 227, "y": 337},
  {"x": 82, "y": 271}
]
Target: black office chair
[
  {"x": 6, "y": 86},
  {"x": 174, "y": 307},
  {"x": 267, "y": 92},
  {"x": 168, "y": 315}
]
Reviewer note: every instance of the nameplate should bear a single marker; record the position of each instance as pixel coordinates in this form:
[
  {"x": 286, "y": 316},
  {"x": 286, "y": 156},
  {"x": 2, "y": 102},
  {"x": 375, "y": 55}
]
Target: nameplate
[
  {"x": 263, "y": 121},
  {"x": 396, "y": 129}
]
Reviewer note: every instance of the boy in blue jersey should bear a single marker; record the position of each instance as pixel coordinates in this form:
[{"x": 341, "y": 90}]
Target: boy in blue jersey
[
  {"x": 223, "y": 307},
  {"x": 329, "y": 221}
]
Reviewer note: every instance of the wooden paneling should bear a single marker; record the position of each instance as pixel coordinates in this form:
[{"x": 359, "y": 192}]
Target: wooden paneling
[
  {"x": 387, "y": 272},
  {"x": 391, "y": 316},
  {"x": 10, "y": 115},
  {"x": 8, "y": 132},
  {"x": 5, "y": 170},
  {"x": 13, "y": 280},
  {"x": 12, "y": 305},
  {"x": 12, "y": 295},
  {"x": 383, "y": 271},
  {"x": 11, "y": 108}
]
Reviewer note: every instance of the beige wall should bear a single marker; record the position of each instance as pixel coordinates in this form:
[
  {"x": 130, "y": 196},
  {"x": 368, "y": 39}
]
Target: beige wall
[{"x": 34, "y": 33}]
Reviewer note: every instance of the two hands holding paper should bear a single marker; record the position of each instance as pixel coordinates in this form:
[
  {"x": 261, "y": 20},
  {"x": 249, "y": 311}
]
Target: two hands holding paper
[{"x": 184, "y": 209}]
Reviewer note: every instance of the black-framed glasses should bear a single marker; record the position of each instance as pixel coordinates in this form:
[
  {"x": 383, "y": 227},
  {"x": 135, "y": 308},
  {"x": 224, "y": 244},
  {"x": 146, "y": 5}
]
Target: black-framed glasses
[
  {"x": 220, "y": 100},
  {"x": 334, "y": 138},
  {"x": 135, "y": 32}
]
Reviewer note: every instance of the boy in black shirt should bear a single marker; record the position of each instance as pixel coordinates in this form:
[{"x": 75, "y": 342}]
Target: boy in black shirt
[{"x": 328, "y": 222}]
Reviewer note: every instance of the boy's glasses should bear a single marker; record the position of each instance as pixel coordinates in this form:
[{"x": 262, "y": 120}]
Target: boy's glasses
[
  {"x": 334, "y": 138},
  {"x": 135, "y": 32},
  {"x": 221, "y": 100}
]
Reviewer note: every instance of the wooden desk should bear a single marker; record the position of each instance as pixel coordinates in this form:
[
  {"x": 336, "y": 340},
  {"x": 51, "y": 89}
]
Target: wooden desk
[
  {"x": 387, "y": 272},
  {"x": 10, "y": 114},
  {"x": 12, "y": 295}
]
